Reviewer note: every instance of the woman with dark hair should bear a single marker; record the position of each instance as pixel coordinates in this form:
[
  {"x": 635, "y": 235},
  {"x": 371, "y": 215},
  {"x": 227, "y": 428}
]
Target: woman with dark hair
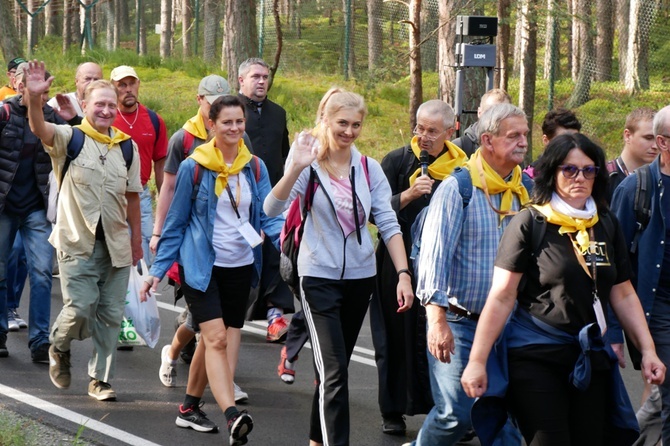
[
  {"x": 562, "y": 262},
  {"x": 213, "y": 231}
]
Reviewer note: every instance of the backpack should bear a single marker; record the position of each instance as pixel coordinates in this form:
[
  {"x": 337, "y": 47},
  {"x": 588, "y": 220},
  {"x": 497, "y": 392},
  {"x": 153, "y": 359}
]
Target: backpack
[
  {"x": 294, "y": 226},
  {"x": 198, "y": 172},
  {"x": 644, "y": 184},
  {"x": 464, "y": 180}
]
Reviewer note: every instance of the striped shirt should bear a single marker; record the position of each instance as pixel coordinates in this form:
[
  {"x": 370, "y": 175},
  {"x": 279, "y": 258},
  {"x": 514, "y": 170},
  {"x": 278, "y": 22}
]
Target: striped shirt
[{"x": 458, "y": 248}]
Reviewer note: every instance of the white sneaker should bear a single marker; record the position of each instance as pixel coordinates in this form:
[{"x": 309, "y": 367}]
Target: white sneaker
[
  {"x": 240, "y": 395},
  {"x": 22, "y": 323},
  {"x": 167, "y": 372},
  {"x": 12, "y": 324}
]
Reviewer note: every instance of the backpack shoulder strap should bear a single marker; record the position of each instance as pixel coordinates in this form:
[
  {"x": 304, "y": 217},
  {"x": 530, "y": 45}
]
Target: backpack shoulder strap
[
  {"x": 462, "y": 175},
  {"x": 256, "y": 167},
  {"x": 611, "y": 167},
  {"x": 642, "y": 203},
  {"x": 155, "y": 122},
  {"x": 127, "y": 150},
  {"x": 538, "y": 229},
  {"x": 366, "y": 171},
  {"x": 528, "y": 182},
  {"x": 187, "y": 142},
  {"x": 74, "y": 147},
  {"x": 198, "y": 173}
]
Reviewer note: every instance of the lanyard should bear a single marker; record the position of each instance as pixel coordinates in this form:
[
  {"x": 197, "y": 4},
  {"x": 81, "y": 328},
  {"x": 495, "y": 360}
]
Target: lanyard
[{"x": 235, "y": 202}]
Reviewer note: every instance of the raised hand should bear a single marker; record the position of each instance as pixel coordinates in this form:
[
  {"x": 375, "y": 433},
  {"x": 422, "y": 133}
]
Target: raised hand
[
  {"x": 305, "y": 149},
  {"x": 65, "y": 108},
  {"x": 34, "y": 79}
]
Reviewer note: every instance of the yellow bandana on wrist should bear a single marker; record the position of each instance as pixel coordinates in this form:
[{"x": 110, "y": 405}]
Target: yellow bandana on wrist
[
  {"x": 208, "y": 156},
  {"x": 196, "y": 127},
  {"x": 88, "y": 129},
  {"x": 495, "y": 184},
  {"x": 569, "y": 225},
  {"x": 444, "y": 164}
]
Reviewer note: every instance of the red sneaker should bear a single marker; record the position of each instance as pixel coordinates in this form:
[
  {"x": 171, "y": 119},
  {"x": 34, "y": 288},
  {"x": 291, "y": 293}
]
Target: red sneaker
[
  {"x": 277, "y": 330},
  {"x": 285, "y": 374}
]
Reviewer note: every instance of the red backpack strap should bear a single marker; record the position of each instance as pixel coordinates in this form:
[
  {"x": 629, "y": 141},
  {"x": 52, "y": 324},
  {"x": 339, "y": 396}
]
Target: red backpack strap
[
  {"x": 611, "y": 166},
  {"x": 364, "y": 163},
  {"x": 256, "y": 167},
  {"x": 187, "y": 143}
]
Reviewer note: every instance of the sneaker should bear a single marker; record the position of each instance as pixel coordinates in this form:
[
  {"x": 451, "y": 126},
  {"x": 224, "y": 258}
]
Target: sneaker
[
  {"x": 277, "y": 330},
  {"x": 22, "y": 323},
  {"x": 124, "y": 348},
  {"x": 393, "y": 425},
  {"x": 59, "y": 367},
  {"x": 3, "y": 346},
  {"x": 12, "y": 324},
  {"x": 286, "y": 374},
  {"x": 41, "y": 353},
  {"x": 239, "y": 427},
  {"x": 196, "y": 419},
  {"x": 167, "y": 372},
  {"x": 240, "y": 395},
  {"x": 101, "y": 390}
]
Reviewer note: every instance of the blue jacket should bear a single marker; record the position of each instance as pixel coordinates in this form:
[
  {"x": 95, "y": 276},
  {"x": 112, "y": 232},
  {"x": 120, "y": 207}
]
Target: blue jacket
[
  {"x": 647, "y": 267},
  {"x": 189, "y": 225}
]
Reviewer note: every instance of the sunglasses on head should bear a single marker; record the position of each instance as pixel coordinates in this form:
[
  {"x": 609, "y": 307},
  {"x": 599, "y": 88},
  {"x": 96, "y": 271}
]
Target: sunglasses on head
[{"x": 571, "y": 171}]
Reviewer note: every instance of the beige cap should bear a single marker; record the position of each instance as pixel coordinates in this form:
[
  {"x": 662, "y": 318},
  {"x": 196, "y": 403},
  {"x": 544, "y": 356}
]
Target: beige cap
[
  {"x": 213, "y": 87},
  {"x": 119, "y": 73}
]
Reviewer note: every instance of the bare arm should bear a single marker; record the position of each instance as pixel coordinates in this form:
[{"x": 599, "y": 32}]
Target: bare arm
[
  {"x": 626, "y": 306},
  {"x": 162, "y": 206},
  {"x": 36, "y": 86},
  {"x": 134, "y": 220},
  {"x": 158, "y": 173},
  {"x": 405, "y": 295},
  {"x": 499, "y": 305}
]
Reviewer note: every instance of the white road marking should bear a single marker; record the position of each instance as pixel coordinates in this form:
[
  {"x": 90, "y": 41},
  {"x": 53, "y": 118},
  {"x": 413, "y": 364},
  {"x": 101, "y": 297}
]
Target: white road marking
[
  {"x": 259, "y": 328},
  {"x": 88, "y": 423}
]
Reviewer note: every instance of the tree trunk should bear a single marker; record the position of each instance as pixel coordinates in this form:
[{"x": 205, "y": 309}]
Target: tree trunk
[
  {"x": 140, "y": 8},
  {"x": 582, "y": 90},
  {"x": 11, "y": 46},
  {"x": 298, "y": 13},
  {"x": 642, "y": 14},
  {"x": 415, "y": 80},
  {"x": 605, "y": 40},
  {"x": 166, "y": 29},
  {"x": 375, "y": 21},
  {"x": 211, "y": 29},
  {"x": 527, "y": 70},
  {"x": 348, "y": 13},
  {"x": 67, "y": 28},
  {"x": 551, "y": 52},
  {"x": 124, "y": 16},
  {"x": 577, "y": 44},
  {"x": 31, "y": 26},
  {"x": 446, "y": 57},
  {"x": 623, "y": 18},
  {"x": 280, "y": 42},
  {"x": 502, "y": 47},
  {"x": 110, "y": 13},
  {"x": 517, "y": 40},
  {"x": 429, "y": 23},
  {"x": 241, "y": 37},
  {"x": 51, "y": 19},
  {"x": 186, "y": 28},
  {"x": 569, "y": 38}
]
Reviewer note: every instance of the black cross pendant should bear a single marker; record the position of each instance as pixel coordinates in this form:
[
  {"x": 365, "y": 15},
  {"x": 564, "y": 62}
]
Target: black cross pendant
[{"x": 103, "y": 158}]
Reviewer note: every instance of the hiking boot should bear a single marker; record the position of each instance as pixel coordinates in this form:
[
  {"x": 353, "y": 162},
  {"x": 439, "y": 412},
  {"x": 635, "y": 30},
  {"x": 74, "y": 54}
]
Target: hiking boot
[
  {"x": 59, "y": 367},
  {"x": 22, "y": 323},
  {"x": 195, "y": 418},
  {"x": 3, "y": 346},
  {"x": 239, "y": 427},
  {"x": 393, "y": 425},
  {"x": 167, "y": 372},
  {"x": 285, "y": 373},
  {"x": 240, "y": 395},
  {"x": 12, "y": 324},
  {"x": 277, "y": 330},
  {"x": 101, "y": 390},
  {"x": 41, "y": 353}
]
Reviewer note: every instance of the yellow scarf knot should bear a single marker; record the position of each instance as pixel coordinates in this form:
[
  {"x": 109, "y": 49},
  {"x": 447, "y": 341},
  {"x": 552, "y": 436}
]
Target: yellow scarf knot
[
  {"x": 88, "y": 129},
  {"x": 196, "y": 127},
  {"x": 443, "y": 165},
  {"x": 569, "y": 225},
  {"x": 496, "y": 184},
  {"x": 209, "y": 157}
]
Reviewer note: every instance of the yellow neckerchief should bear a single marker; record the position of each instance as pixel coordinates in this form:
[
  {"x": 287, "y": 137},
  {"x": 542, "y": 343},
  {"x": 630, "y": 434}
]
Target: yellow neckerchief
[
  {"x": 569, "y": 224},
  {"x": 88, "y": 129},
  {"x": 208, "y": 156},
  {"x": 485, "y": 178},
  {"x": 443, "y": 165},
  {"x": 196, "y": 127}
]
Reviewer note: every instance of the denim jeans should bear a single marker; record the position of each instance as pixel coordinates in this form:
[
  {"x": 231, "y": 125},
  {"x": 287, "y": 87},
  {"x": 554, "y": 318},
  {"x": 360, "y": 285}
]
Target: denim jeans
[
  {"x": 449, "y": 419},
  {"x": 147, "y": 211},
  {"x": 17, "y": 272},
  {"x": 35, "y": 230}
]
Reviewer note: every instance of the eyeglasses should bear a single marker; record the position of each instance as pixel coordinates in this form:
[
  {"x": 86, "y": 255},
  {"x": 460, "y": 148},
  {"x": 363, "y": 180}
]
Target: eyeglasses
[
  {"x": 571, "y": 171},
  {"x": 428, "y": 135}
]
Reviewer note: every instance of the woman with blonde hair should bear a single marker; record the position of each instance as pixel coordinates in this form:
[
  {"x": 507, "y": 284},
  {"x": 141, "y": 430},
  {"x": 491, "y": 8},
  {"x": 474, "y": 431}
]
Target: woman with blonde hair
[{"x": 336, "y": 262}]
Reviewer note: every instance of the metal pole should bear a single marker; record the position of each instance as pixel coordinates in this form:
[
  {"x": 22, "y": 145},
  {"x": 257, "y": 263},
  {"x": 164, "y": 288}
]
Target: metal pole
[
  {"x": 197, "y": 25},
  {"x": 261, "y": 29},
  {"x": 347, "y": 37}
]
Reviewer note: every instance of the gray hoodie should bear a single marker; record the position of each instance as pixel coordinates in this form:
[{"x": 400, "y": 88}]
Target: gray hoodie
[{"x": 324, "y": 250}]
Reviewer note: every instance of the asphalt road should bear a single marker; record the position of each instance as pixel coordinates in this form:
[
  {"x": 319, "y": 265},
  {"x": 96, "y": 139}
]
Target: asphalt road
[{"x": 145, "y": 411}]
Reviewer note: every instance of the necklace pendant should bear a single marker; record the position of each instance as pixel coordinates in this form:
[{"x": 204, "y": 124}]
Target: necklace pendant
[
  {"x": 103, "y": 158},
  {"x": 130, "y": 126}
]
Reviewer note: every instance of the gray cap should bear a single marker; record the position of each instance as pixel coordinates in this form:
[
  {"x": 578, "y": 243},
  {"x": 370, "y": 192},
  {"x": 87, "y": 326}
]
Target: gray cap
[
  {"x": 212, "y": 87},
  {"x": 21, "y": 71}
]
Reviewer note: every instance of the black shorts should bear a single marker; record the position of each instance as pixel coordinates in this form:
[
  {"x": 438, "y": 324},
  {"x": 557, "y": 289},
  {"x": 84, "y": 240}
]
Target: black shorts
[{"x": 226, "y": 296}]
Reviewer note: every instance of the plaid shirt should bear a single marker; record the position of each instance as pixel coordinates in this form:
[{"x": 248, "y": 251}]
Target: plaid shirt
[{"x": 458, "y": 248}]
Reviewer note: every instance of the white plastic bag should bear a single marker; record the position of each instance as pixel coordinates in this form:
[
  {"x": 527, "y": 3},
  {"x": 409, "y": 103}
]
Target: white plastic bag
[
  {"x": 128, "y": 335},
  {"x": 142, "y": 315}
]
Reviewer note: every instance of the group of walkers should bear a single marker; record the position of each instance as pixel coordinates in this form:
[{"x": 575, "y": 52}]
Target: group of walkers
[{"x": 524, "y": 277}]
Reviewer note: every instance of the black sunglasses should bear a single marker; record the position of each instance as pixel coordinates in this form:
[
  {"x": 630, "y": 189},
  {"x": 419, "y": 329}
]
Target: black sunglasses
[{"x": 571, "y": 171}]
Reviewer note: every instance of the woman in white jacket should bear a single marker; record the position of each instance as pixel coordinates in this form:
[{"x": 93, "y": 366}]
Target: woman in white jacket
[{"x": 336, "y": 262}]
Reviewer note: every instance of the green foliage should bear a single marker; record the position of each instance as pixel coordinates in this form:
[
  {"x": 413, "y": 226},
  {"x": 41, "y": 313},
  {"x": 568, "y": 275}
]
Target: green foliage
[{"x": 13, "y": 433}]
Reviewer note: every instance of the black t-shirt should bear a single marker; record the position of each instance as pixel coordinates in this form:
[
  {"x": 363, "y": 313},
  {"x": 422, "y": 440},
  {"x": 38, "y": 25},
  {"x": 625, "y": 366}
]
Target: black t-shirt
[{"x": 558, "y": 291}]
